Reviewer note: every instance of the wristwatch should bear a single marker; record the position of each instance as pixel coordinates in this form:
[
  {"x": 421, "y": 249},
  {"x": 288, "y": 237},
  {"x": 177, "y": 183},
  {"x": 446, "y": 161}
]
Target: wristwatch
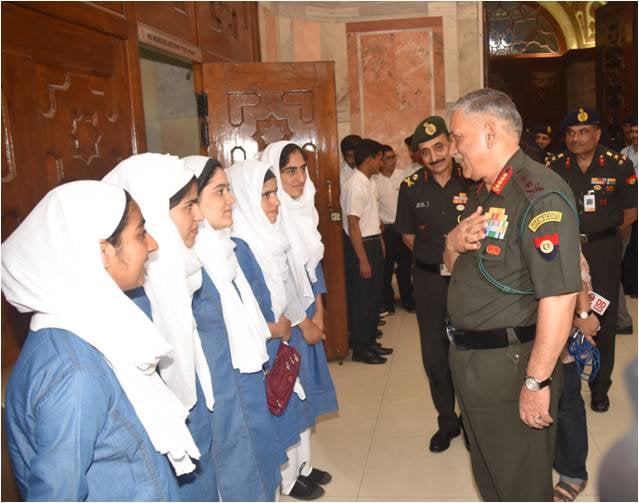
[
  {"x": 534, "y": 384},
  {"x": 583, "y": 314}
]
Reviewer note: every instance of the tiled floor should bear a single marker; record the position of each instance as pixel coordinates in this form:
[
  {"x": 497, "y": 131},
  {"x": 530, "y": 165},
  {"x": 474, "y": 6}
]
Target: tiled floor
[{"x": 376, "y": 446}]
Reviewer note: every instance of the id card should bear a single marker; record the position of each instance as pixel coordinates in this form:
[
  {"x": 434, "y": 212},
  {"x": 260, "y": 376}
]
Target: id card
[
  {"x": 598, "y": 303},
  {"x": 443, "y": 270},
  {"x": 589, "y": 202}
]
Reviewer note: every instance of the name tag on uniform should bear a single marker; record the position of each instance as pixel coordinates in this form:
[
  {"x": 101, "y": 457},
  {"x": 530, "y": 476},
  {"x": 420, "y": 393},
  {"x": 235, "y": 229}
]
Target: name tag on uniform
[
  {"x": 443, "y": 270},
  {"x": 598, "y": 303},
  {"x": 589, "y": 202}
]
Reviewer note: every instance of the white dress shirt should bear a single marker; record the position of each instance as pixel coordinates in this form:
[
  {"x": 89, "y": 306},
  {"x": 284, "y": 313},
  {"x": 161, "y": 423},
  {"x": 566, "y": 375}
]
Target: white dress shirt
[
  {"x": 388, "y": 190},
  {"x": 631, "y": 154},
  {"x": 345, "y": 172},
  {"x": 359, "y": 198}
]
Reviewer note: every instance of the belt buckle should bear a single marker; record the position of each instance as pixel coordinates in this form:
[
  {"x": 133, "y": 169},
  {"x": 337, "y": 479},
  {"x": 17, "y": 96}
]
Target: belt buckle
[
  {"x": 583, "y": 238},
  {"x": 450, "y": 331}
]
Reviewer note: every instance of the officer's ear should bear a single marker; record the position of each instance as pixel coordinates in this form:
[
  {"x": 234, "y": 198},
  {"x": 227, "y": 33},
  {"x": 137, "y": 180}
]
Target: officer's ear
[{"x": 490, "y": 132}]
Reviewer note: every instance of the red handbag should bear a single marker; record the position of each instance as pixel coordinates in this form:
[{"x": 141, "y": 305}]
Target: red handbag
[{"x": 280, "y": 379}]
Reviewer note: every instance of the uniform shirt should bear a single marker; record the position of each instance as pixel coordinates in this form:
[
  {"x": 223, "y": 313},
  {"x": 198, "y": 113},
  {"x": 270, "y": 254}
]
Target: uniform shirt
[
  {"x": 430, "y": 211},
  {"x": 531, "y": 246},
  {"x": 611, "y": 179},
  {"x": 345, "y": 172},
  {"x": 388, "y": 190},
  {"x": 631, "y": 154},
  {"x": 359, "y": 198}
]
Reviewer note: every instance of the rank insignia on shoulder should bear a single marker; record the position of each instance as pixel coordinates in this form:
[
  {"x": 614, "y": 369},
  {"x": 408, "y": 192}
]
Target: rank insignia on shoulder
[
  {"x": 559, "y": 156},
  {"x": 631, "y": 180},
  {"x": 408, "y": 181},
  {"x": 502, "y": 180},
  {"x": 543, "y": 218},
  {"x": 547, "y": 245},
  {"x": 609, "y": 153}
]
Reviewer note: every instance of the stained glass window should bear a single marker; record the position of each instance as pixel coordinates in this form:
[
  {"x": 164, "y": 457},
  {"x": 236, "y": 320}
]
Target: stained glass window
[{"x": 517, "y": 28}]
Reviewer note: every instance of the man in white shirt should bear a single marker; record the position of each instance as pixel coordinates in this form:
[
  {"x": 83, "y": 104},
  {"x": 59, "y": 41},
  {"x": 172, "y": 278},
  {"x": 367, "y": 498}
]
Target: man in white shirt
[
  {"x": 364, "y": 253},
  {"x": 416, "y": 160},
  {"x": 388, "y": 182},
  {"x": 347, "y": 146}
]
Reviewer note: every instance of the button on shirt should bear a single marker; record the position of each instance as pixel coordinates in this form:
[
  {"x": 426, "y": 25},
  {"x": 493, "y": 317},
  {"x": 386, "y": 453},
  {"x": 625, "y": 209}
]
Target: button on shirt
[
  {"x": 610, "y": 178},
  {"x": 388, "y": 190},
  {"x": 359, "y": 198},
  {"x": 430, "y": 211}
]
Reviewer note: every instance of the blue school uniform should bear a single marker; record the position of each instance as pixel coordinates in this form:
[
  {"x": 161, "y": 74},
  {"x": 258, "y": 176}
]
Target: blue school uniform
[
  {"x": 73, "y": 435},
  {"x": 286, "y": 425},
  {"x": 246, "y": 450},
  {"x": 200, "y": 484}
]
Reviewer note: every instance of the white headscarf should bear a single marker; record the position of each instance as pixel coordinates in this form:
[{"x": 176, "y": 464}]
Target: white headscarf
[
  {"x": 267, "y": 241},
  {"x": 245, "y": 325},
  {"x": 173, "y": 272},
  {"x": 52, "y": 266},
  {"x": 299, "y": 219}
]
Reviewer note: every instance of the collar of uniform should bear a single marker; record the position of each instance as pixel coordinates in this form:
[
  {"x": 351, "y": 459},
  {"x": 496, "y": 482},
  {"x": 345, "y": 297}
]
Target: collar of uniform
[{"x": 502, "y": 184}]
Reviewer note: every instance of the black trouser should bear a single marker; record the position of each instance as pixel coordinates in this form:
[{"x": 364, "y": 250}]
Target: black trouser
[
  {"x": 431, "y": 305},
  {"x": 604, "y": 259},
  {"x": 571, "y": 449},
  {"x": 629, "y": 264},
  {"x": 364, "y": 295},
  {"x": 397, "y": 253}
]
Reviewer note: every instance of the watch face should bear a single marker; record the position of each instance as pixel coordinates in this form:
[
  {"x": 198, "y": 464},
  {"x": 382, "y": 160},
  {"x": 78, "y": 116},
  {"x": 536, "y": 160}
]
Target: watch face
[{"x": 532, "y": 384}]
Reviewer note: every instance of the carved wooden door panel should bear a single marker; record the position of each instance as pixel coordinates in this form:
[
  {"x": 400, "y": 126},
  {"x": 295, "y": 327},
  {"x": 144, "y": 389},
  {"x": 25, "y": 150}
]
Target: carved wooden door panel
[
  {"x": 66, "y": 114},
  {"x": 254, "y": 104}
]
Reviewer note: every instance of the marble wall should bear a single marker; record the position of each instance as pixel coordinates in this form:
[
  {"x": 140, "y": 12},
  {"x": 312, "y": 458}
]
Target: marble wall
[{"x": 426, "y": 66}]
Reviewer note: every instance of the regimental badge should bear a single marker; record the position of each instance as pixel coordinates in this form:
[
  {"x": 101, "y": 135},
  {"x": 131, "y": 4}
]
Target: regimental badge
[
  {"x": 430, "y": 128},
  {"x": 602, "y": 160},
  {"x": 543, "y": 218},
  {"x": 631, "y": 180},
  {"x": 582, "y": 116},
  {"x": 548, "y": 130},
  {"x": 502, "y": 180},
  {"x": 497, "y": 223},
  {"x": 547, "y": 245},
  {"x": 409, "y": 180}
]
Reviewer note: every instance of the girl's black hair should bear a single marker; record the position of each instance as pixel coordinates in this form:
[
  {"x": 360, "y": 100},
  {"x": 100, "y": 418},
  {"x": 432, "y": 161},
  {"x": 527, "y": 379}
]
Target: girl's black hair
[
  {"x": 210, "y": 167},
  {"x": 179, "y": 195},
  {"x": 268, "y": 175},
  {"x": 115, "y": 237},
  {"x": 287, "y": 151}
]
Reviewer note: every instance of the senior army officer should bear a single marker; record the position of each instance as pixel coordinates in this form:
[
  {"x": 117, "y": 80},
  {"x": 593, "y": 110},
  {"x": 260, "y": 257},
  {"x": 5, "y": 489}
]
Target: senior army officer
[
  {"x": 605, "y": 187},
  {"x": 430, "y": 203},
  {"x": 511, "y": 299}
]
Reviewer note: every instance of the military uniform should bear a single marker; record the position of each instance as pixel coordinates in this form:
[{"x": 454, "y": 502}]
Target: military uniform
[
  {"x": 531, "y": 251},
  {"x": 430, "y": 211},
  {"x": 606, "y": 188}
]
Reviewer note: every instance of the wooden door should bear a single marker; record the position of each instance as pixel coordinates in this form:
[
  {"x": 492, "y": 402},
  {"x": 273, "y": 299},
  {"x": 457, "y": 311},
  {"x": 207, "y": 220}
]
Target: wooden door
[
  {"x": 251, "y": 105},
  {"x": 66, "y": 110}
]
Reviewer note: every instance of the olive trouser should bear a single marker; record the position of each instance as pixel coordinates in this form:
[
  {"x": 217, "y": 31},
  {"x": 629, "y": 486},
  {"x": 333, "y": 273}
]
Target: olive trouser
[{"x": 511, "y": 462}]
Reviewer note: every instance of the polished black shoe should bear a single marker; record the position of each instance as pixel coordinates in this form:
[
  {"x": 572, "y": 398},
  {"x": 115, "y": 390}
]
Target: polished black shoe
[
  {"x": 600, "y": 403},
  {"x": 369, "y": 357},
  {"x": 390, "y": 308},
  {"x": 383, "y": 312},
  {"x": 378, "y": 334},
  {"x": 306, "y": 490},
  {"x": 624, "y": 330},
  {"x": 441, "y": 440},
  {"x": 317, "y": 477},
  {"x": 381, "y": 323},
  {"x": 410, "y": 307},
  {"x": 381, "y": 350}
]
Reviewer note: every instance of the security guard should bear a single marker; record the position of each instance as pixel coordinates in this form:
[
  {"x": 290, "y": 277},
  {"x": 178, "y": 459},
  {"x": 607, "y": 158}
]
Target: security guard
[
  {"x": 515, "y": 276},
  {"x": 605, "y": 188},
  {"x": 430, "y": 204}
]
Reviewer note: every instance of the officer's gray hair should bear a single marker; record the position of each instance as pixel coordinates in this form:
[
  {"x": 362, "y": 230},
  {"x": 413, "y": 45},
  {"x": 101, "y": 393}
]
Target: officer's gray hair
[{"x": 492, "y": 102}]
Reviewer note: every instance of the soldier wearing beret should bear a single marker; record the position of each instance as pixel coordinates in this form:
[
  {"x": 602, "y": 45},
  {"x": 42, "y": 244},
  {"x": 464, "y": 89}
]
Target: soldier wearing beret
[
  {"x": 515, "y": 276},
  {"x": 430, "y": 203},
  {"x": 605, "y": 188},
  {"x": 542, "y": 134}
]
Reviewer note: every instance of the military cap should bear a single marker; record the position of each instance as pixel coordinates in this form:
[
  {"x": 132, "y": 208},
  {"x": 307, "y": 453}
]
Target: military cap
[
  {"x": 541, "y": 128},
  {"x": 426, "y": 130},
  {"x": 581, "y": 117}
]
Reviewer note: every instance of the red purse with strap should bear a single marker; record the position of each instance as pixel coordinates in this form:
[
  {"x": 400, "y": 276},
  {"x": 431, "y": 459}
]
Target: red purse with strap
[{"x": 280, "y": 379}]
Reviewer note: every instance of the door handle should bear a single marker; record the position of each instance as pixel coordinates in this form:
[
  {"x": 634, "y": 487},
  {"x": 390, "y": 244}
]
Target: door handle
[{"x": 334, "y": 216}]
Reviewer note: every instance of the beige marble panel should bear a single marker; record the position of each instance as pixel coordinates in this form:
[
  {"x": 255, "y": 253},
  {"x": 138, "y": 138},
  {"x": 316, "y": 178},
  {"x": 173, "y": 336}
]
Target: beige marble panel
[
  {"x": 448, "y": 12},
  {"x": 469, "y": 47},
  {"x": 287, "y": 41},
  {"x": 307, "y": 46}
]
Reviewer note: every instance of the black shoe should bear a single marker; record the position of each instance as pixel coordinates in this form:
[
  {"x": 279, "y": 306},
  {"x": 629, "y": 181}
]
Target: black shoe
[
  {"x": 381, "y": 323},
  {"x": 624, "y": 330},
  {"x": 461, "y": 426},
  {"x": 380, "y": 350},
  {"x": 441, "y": 440},
  {"x": 383, "y": 312},
  {"x": 378, "y": 334},
  {"x": 306, "y": 490},
  {"x": 600, "y": 403},
  {"x": 317, "y": 477},
  {"x": 369, "y": 357},
  {"x": 410, "y": 307}
]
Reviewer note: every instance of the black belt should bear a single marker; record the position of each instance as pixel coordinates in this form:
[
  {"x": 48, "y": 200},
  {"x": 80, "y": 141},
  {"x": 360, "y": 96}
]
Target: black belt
[
  {"x": 372, "y": 238},
  {"x": 434, "y": 268},
  {"x": 488, "y": 339},
  {"x": 596, "y": 236}
]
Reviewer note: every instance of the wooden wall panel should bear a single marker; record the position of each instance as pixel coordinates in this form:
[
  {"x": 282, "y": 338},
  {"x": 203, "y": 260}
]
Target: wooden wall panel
[{"x": 174, "y": 18}]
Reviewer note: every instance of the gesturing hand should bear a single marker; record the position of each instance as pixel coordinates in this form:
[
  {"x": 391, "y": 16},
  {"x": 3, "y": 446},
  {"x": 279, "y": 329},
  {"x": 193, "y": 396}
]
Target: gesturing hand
[{"x": 468, "y": 233}]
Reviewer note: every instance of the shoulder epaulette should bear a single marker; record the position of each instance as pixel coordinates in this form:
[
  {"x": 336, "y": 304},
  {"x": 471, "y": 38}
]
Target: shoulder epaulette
[
  {"x": 410, "y": 179},
  {"x": 559, "y": 156}
]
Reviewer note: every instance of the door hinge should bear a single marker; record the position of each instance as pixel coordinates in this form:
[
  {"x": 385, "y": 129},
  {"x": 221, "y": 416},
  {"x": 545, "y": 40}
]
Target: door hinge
[{"x": 203, "y": 118}]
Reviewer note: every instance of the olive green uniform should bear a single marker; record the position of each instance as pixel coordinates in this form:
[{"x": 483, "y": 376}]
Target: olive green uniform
[{"x": 531, "y": 251}]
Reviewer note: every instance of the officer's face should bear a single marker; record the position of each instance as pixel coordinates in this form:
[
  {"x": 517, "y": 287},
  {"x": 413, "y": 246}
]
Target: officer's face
[
  {"x": 469, "y": 145},
  {"x": 389, "y": 161},
  {"x": 542, "y": 140},
  {"x": 436, "y": 154},
  {"x": 633, "y": 133},
  {"x": 582, "y": 139}
]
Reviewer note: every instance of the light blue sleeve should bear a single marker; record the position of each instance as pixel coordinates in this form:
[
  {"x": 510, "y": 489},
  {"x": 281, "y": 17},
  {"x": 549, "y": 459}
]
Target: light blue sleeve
[
  {"x": 68, "y": 420},
  {"x": 319, "y": 286}
]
